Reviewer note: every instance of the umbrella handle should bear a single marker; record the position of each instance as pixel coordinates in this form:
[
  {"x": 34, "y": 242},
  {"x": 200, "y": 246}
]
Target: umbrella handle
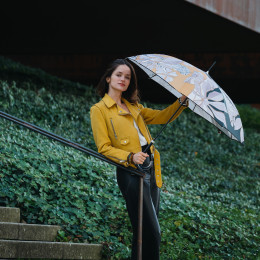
[{"x": 144, "y": 168}]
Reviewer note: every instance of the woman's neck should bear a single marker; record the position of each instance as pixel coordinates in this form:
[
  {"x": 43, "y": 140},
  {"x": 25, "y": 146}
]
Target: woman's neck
[{"x": 116, "y": 96}]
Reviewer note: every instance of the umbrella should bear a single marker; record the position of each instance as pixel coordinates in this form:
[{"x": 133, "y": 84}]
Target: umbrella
[{"x": 206, "y": 97}]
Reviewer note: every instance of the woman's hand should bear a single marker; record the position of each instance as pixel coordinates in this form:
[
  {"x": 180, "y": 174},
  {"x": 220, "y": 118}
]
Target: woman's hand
[
  {"x": 139, "y": 158},
  {"x": 181, "y": 100}
]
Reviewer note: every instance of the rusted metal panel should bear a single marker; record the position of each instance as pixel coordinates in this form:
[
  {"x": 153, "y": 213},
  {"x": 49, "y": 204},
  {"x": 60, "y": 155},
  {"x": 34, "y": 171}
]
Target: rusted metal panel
[
  {"x": 243, "y": 12},
  {"x": 234, "y": 71}
]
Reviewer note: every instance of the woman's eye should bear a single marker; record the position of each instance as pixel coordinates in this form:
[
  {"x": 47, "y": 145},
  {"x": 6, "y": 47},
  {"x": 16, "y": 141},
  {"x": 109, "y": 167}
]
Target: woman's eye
[{"x": 126, "y": 77}]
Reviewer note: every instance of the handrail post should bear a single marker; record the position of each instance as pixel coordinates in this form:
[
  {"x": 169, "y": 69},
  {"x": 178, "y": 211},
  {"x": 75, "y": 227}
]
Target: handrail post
[{"x": 140, "y": 219}]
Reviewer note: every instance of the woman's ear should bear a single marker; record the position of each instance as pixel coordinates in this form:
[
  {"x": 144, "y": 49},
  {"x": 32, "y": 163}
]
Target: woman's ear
[{"x": 108, "y": 80}]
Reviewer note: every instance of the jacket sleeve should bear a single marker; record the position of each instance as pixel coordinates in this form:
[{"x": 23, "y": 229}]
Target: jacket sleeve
[
  {"x": 153, "y": 116},
  {"x": 102, "y": 140}
]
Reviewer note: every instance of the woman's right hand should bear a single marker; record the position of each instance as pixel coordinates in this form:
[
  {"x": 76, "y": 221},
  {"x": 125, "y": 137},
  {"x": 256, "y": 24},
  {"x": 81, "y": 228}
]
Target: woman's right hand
[{"x": 140, "y": 157}]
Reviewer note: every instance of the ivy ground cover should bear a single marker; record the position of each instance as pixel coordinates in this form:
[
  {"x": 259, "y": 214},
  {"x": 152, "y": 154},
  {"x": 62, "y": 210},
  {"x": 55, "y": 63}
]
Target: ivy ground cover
[{"x": 209, "y": 201}]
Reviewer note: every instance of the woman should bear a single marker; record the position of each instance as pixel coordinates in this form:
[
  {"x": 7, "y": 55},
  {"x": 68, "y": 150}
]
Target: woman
[{"x": 119, "y": 125}]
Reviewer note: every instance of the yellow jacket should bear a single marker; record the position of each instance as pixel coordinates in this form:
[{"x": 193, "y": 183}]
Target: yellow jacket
[{"x": 114, "y": 132}]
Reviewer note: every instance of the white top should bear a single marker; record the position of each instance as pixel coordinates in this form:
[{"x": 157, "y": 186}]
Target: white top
[{"x": 141, "y": 137}]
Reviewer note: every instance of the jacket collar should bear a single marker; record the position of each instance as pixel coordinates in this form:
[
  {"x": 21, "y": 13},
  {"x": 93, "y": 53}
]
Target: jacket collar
[
  {"x": 134, "y": 110},
  {"x": 109, "y": 102}
]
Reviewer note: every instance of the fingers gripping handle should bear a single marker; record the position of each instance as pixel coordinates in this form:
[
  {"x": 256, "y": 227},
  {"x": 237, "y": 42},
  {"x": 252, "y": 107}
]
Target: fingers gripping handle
[{"x": 143, "y": 168}]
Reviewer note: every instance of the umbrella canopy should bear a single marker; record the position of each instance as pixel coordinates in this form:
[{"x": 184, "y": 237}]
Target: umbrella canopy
[{"x": 206, "y": 97}]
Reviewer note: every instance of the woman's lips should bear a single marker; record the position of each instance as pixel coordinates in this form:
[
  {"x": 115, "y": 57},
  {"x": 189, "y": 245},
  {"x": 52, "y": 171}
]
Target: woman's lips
[{"x": 122, "y": 84}]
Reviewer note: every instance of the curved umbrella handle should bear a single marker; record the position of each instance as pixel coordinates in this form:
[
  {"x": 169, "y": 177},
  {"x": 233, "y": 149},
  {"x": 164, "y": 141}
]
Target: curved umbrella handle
[{"x": 144, "y": 168}]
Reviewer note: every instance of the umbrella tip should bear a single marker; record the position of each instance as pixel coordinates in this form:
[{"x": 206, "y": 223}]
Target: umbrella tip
[{"x": 211, "y": 67}]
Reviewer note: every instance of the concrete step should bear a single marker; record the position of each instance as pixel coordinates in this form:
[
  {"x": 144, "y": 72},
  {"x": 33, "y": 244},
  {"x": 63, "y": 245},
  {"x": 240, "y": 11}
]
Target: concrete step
[
  {"x": 49, "y": 250},
  {"x": 20, "y": 231},
  {"x": 9, "y": 214}
]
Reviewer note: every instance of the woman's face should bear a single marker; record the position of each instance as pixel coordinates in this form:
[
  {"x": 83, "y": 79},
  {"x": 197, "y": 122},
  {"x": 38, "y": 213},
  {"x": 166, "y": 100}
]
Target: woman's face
[{"x": 120, "y": 79}]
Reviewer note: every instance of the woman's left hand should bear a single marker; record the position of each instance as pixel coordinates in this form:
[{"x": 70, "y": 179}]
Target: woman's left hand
[
  {"x": 182, "y": 98},
  {"x": 139, "y": 158}
]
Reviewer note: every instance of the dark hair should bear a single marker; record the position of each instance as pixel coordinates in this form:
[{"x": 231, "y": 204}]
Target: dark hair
[{"x": 131, "y": 94}]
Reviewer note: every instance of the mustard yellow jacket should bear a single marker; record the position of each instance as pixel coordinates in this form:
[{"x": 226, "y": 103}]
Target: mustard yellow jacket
[{"x": 114, "y": 132}]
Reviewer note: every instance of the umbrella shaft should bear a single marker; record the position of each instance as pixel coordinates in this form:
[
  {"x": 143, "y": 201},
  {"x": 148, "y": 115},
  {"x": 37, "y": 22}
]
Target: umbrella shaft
[{"x": 152, "y": 142}]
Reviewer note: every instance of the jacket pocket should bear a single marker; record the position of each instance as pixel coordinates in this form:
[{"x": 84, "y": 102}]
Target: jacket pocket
[
  {"x": 124, "y": 141},
  {"x": 111, "y": 121}
]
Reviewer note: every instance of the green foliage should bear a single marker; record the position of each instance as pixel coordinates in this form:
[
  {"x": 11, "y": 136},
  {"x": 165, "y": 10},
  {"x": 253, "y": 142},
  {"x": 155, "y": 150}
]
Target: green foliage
[
  {"x": 250, "y": 116},
  {"x": 211, "y": 190},
  {"x": 209, "y": 200}
]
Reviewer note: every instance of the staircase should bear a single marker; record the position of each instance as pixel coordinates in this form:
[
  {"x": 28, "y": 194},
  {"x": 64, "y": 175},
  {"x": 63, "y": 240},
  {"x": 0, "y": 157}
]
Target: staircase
[{"x": 18, "y": 240}]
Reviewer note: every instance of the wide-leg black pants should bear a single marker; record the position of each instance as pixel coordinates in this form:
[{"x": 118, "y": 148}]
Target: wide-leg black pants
[{"x": 129, "y": 186}]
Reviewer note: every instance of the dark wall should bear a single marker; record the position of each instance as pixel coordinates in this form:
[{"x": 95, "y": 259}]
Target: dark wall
[{"x": 76, "y": 40}]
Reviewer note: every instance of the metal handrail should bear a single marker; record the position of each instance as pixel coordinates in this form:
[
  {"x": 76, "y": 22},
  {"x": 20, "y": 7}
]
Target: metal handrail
[
  {"x": 68, "y": 142},
  {"x": 92, "y": 153}
]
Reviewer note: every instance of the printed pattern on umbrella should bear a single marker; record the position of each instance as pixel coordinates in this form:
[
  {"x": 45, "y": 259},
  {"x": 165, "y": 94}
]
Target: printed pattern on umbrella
[{"x": 204, "y": 93}]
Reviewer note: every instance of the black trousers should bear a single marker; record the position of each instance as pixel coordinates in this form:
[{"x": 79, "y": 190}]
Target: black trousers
[{"x": 129, "y": 186}]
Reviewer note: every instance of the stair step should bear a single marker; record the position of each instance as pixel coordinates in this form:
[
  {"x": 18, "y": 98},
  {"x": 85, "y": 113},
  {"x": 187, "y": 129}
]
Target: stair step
[
  {"x": 20, "y": 231},
  {"x": 8, "y": 214},
  {"x": 49, "y": 250}
]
